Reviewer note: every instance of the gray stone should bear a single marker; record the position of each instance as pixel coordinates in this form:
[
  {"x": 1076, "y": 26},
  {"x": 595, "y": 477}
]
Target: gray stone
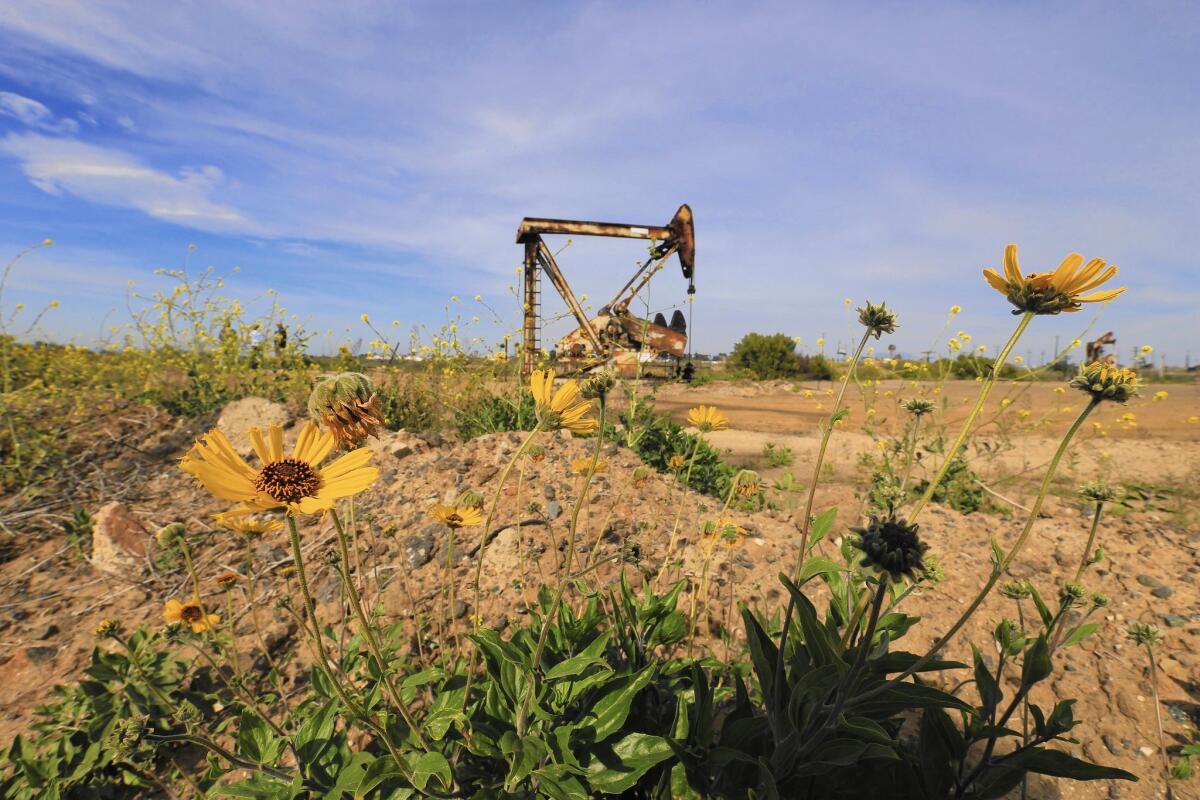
[
  {"x": 553, "y": 509},
  {"x": 1162, "y": 592},
  {"x": 418, "y": 549},
  {"x": 1174, "y": 620},
  {"x": 549, "y": 492},
  {"x": 1149, "y": 581},
  {"x": 41, "y": 653}
]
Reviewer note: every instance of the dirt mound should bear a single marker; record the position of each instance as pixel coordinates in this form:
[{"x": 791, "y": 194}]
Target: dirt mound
[{"x": 54, "y": 598}]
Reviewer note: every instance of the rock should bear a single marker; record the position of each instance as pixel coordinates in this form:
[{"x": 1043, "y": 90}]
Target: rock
[
  {"x": 418, "y": 549},
  {"x": 460, "y": 609},
  {"x": 41, "y": 653},
  {"x": 549, "y": 492},
  {"x": 1162, "y": 592},
  {"x": 119, "y": 541},
  {"x": 1174, "y": 620},
  {"x": 1149, "y": 581},
  {"x": 238, "y": 417},
  {"x": 396, "y": 445},
  {"x": 554, "y": 509},
  {"x": 48, "y": 631},
  {"x": 1062, "y": 559}
]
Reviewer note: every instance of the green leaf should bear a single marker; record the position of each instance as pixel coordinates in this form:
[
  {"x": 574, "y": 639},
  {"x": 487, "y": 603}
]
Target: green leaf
[
  {"x": 818, "y": 565},
  {"x": 1061, "y": 765},
  {"x": 900, "y": 661},
  {"x": 864, "y": 728},
  {"x": 989, "y": 690},
  {"x": 431, "y": 765},
  {"x": 1042, "y": 610},
  {"x": 617, "y": 769},
  {"x": 1079, "y": 634},
  {"x": 381, "y": 769},
  {"x": 1037, "y": 665},
  {"x": 821, "y": 527},
  {"x": 612, "y": 707},
  {"x": 313, "y": 735}
]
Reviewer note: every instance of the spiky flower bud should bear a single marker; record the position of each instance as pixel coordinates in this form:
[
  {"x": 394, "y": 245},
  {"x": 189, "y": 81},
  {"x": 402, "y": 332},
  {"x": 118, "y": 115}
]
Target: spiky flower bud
[
  {"x": 877, "y": 319},
  {"x": 598, "y": 384},
  {"x": 168, "y": 535},
  {"x": 1100, "y": 600},
  {"x": 227, "y": 580},
  {"x": 127, "y": 735},
  {"x": 919, "y": 406},
  {"x": 108, "y": 629},
  {"x": 1097, "y": 492},
  {"x": 1144, "y": 634},
  {"x": 891, "y": 545},
  {"x": 348, "y": 406},
  {"x": 932, "y": 570},
  {"x": 1016, "y": 590},
  {"x": 1104, "y": 382},
  {"x": 1072, "y": 592},
  {"x": 470, "y": 499},
  {"x": 640, "y": 475},
  {"x": 536, "y": 452}
]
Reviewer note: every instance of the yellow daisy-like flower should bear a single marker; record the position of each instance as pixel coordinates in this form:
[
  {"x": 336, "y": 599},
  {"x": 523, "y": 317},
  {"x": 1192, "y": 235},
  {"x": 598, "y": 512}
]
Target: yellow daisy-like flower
[
  {"x": 676, "y": 462},
  {"x": 1052, "y": 292},
  {"x": 727, "y": 531},
  {"x": 580, "y": 466},
  {"x": 707, "y": 418},
  {"x": 560, "y": 409},
  {"x": 1160, "y": 395},
  {"x": 249, "y": 524},
  {"x": 191, "y": 613},
  {"x": 295, "y": 484},
  {"x": 457, "y": 516},
  {"x": 954, "y": 344},
  {"x": 955, "y": 310}
]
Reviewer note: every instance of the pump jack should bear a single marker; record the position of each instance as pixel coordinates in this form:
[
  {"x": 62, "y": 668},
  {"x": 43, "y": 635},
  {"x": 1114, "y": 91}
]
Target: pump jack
[
  {"x": 1095, "y": 349},
  {"x": 614, "y": 335}
]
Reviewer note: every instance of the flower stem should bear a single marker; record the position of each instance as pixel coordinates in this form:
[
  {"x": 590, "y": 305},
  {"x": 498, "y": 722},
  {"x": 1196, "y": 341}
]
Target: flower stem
[
  {"x": 912, "y": 452},
  {"x": 679, "y": 509},
  {"x": 984, "y": 391},
  {"x": 1087, "y": 550},
  {"x": 369, "y": 633},
  {"x": 1162, "y": 747},
  {"x": 564, "y": 577},
  {"x": 998, "y": 569},
  {"x": 806, "y": 519}
]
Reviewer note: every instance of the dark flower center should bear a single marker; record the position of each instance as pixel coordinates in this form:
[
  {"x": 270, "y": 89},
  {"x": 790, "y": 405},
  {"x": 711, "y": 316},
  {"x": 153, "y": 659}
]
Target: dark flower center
[
  {"x": 191, "y": 613},
  {"x": 289, "y": 480},
  {"x": 454, "y": 521}
]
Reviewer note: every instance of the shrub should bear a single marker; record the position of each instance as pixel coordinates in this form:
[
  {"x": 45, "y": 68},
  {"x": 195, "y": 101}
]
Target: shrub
[{"x": 766, "y": 357}]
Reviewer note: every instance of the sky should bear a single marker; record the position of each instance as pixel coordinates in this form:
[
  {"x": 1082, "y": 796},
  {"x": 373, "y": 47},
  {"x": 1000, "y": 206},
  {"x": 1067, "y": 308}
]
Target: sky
[{"x": 376, "y": 157}]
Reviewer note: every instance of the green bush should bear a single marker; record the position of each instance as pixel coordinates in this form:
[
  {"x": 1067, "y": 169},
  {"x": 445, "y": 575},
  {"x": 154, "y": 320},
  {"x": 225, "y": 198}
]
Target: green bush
[{"x": 766, "y": 357}]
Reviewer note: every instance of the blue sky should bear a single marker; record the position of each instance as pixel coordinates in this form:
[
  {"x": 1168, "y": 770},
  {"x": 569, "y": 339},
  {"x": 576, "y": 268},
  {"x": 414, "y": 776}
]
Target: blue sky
[{"x": 377, "y": 157}]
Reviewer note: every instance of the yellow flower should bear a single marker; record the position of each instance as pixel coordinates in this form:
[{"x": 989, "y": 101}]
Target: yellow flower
[
  {"x": 561, "y": 409},
  {"x": 1052, "y": 292},
  {"x": 457, "y": 516},
  {"x": 707, "y": 418},
  {"x": 728, "y": 532},
  {"x": 1060, "y": 390},
  {"x": 982, "y": 348},
  {"x": 366, "y": 319},
  {"x": 821, "y": 342},
  {"x": 1023, "y": 413},
  {"x": 189, "y": 613},
  {"x": 847, "y": 301},
  {"x": 580, "y": 466},
  {"x": 1075, "y": 343},
  {"x": 48, "y": 242},
  {"x": 676, "y": 462},
  {"x": 1145, "y": 350},
  {"x": 1018, "y": 360},
  {"x": 295, "y": 483},
  {"x": 808, "y": 392},
  {"x": 1160, "y": 395},
  {"x": 955, "y": 344},
  {"x": 1192, "y": 420},
  {"x": 249, "y": 524},
  {"x": 955, "y": 310}
]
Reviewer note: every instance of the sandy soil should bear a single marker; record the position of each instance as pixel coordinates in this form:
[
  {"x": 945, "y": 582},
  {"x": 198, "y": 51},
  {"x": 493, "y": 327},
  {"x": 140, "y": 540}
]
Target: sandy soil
[{"x": 52, "y": 600}]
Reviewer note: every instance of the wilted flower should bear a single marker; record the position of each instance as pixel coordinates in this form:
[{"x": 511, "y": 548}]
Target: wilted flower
[
  {"x": 562, "y": 409},
  {"x": 470, "y": 499},
  {"x": 877, "y": 319},
  {"x": 640, "y": 474},
  {"x": 1052, "y": 292},
  {"x": 676, "y": 462},
  {"x": 127, "y": 734},
  {"x": 189, "y": 612},
  {"x": 707, "y": 418},
  {"x": 1144, "y": 634},
  {"x": 727, "y": 531},
  {"x": 919, "y": 406},
  {"x": 347, "y": 405},
  {"x": 226, "y": 580},
  {"x": 457, "y": 516},
  {"x": 932, "y": 570},
  {"x": 1103, "y": 382},
  {"x": 891, "y": 545},
  {"x": 295, "y": 483},
  {"x": 535, "y": 452}
]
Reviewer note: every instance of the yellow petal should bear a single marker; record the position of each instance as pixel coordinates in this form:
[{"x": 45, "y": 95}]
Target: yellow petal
[
  {"x": 1062, "y": 276},
  {"x": 998, "y": 283},
  {"x": 347, "y": 463},
  {"x": 260, "y": 445},
  {"x": 313, "y": 505},
  {"x": 1104, "y": 277},
  {"x": 348, "y": 484},
  {"x": 1100, "y": 297},
  {"x": 307, "y": 434},
  {"x": 1084, "y": 275},
  {"x": 172, "y": 611},
  {"x": 1011, "y": 268},
  {"x": 275, "y": 434},
  {"x": 565, "y": 397}
]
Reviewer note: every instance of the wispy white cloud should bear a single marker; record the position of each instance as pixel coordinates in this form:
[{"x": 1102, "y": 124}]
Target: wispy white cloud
[
  {"x": 34, "y": 114},
  {"x": 109, "y": 176}
]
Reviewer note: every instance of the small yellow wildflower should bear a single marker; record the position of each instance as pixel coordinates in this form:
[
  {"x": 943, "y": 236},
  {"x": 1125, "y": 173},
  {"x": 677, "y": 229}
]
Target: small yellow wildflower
[
  {"x": 580, "y": 466},
  {"x": 191, "y": 613},
  {"x": 1052, "y": 292},
  {"x": 955, "y": 310},
  {"x": 1160, "y": 395},
  {"x": 707, "y": 418},
  {"x": 457, "y": 516},
  {"x": 563, "y": 408}
]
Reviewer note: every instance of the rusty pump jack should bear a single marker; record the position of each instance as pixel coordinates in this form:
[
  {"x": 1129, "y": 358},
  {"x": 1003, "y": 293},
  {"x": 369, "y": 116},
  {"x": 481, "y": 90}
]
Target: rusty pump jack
[{"x": 614, "y": 335}]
